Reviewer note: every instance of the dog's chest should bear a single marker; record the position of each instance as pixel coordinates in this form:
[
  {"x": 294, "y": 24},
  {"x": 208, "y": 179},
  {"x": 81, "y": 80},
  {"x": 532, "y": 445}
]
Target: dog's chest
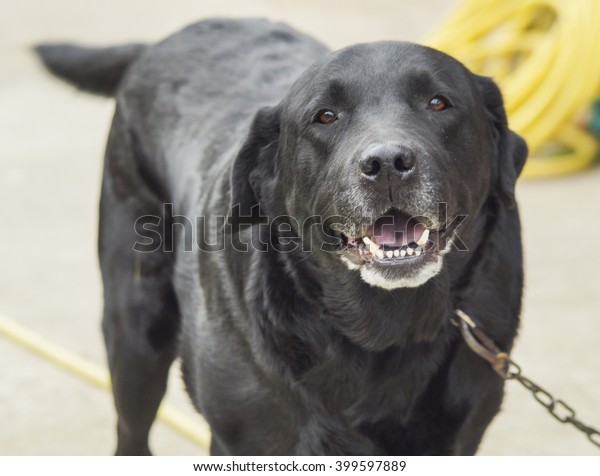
[{"x": 385, "y": 406}]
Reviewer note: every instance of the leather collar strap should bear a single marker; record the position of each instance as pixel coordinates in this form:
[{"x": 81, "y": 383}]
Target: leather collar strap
[{"x": 481, "y": 344}]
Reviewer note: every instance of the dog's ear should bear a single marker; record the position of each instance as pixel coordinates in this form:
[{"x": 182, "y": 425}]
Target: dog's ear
[
  {"x": 511, "y": 149},
  {"x": 252, "y": 171}
]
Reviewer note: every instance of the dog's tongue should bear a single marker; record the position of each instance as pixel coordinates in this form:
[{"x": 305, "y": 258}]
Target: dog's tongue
[{"x": 395, "y": 230}]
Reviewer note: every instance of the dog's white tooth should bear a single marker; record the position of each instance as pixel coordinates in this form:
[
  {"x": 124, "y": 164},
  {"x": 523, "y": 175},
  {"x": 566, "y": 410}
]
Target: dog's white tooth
[
  {"x": 396, "y": 253},
  {"x": 373, "y": 248},
  {"x": 410, "y": 251},
  {"x": 402, "y": 252},
  {"x": 418, "y": 251},
  {"x": 367, "y": 241},
  {"x": 379, "y": 253},
  {"x": 389, "y": 253},
  {"x": 424, "y": 237}
]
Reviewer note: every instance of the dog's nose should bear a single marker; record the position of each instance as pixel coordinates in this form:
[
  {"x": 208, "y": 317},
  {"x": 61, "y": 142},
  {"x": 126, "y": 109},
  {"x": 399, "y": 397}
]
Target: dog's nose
[{"x": 384, "y": 160}]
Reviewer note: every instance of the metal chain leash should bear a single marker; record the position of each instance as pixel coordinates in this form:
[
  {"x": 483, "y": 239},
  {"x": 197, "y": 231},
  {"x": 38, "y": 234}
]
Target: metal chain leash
[
  {"x": 557, "y": 408},
  {"x": 500, "y": 361}
]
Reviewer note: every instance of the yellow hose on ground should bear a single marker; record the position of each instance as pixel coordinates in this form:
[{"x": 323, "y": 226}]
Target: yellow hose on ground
[
  {"x": 545, "y": 55},
  {"x": 98, "y": 376}
]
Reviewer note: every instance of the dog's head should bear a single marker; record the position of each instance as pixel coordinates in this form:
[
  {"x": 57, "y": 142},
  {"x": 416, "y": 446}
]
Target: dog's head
[{"x": 372, "y": 140}]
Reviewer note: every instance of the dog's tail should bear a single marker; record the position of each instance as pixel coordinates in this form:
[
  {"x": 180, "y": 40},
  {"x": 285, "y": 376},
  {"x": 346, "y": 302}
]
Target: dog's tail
[{"x": 95, "y": 70}]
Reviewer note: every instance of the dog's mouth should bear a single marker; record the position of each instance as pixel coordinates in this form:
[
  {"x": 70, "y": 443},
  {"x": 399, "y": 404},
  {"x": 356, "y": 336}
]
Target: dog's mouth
[{"x": 393, "y": 239}]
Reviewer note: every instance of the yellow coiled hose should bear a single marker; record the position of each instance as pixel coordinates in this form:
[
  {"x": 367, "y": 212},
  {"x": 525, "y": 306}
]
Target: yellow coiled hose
[{"x": 545, "y": 55}]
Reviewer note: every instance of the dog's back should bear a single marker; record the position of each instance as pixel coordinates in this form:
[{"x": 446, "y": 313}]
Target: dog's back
[{"x": 212, "y": 76}]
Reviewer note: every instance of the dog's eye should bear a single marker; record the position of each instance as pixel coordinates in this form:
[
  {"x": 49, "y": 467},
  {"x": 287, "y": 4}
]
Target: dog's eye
[
  {"x": 326, "y": 117},
  {"x": 438, "y": 103}
]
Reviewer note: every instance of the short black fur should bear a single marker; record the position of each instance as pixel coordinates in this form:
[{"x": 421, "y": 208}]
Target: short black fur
[{"x": 292, "y": 350}]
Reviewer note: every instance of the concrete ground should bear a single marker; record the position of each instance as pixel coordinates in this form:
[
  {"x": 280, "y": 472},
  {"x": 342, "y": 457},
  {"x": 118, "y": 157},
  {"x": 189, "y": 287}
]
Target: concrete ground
[{"x": 51, "y": 143}]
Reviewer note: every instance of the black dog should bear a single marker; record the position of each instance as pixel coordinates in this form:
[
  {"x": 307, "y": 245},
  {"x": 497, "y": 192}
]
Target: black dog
[{"x": 332, "y": 209}]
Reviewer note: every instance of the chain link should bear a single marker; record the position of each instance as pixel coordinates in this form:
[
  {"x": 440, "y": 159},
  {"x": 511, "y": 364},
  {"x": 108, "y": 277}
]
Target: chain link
[
  {"x": 482, "y": 345},
  {"x": 555, "y": 406}
]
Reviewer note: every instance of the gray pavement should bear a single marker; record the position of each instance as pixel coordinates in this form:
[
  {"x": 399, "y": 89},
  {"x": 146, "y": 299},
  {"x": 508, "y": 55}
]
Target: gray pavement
[{"x": 51, "y": 146}]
